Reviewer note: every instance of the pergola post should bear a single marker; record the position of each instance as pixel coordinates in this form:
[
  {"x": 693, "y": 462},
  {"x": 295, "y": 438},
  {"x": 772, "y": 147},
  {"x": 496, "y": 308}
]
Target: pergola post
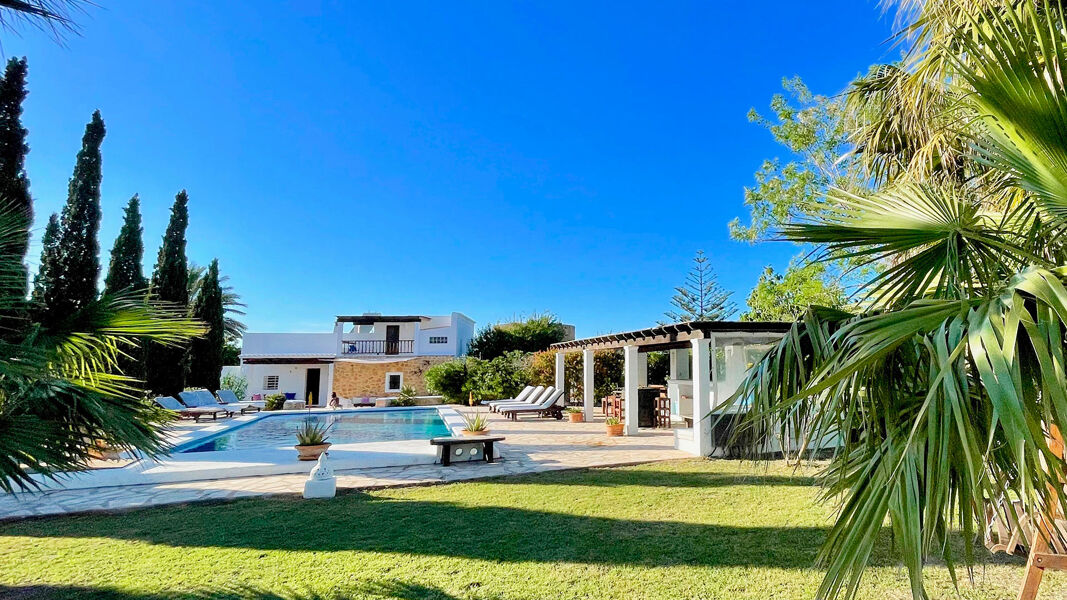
[
  {"x": 561, "y": 367},
  {"x": 630, "y": 386},
  {"x": 701, "y": 370},
  {"x": 588, "y": 385}
]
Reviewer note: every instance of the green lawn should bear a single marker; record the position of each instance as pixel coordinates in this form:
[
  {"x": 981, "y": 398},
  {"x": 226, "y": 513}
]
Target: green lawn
[{"x": 688, "y": 529}]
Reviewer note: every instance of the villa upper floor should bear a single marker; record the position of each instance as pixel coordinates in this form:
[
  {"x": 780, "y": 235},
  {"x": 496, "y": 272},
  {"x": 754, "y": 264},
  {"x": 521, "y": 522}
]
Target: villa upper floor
[{"x": 368, "y": 335}]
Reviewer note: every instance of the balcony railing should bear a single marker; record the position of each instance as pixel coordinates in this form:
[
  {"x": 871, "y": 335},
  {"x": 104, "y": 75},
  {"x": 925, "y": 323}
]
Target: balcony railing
[{"x": 377, "y": 347}]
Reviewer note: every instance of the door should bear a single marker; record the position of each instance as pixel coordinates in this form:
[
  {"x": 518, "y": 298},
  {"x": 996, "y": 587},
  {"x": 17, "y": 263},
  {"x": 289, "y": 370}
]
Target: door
[
  {"x": 392, "y": 339},
  {"x": 311, "y": 390}
]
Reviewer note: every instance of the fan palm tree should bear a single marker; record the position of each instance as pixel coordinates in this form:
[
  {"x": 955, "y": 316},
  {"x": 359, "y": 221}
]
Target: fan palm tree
[
  {"x": 943, "y": 389},
  {"x": 60, "y": 392}
]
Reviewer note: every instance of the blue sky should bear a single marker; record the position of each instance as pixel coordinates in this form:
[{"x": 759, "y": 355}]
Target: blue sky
[{"x": 492, "y": 158}]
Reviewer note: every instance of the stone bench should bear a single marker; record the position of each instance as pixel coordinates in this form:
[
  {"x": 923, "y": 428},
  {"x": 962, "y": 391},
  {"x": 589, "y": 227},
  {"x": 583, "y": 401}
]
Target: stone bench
[{"x": 465, "y": 448}]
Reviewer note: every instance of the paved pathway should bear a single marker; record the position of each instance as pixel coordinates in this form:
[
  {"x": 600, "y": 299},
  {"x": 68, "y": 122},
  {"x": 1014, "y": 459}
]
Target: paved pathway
[{"x": 531, "y": 446}]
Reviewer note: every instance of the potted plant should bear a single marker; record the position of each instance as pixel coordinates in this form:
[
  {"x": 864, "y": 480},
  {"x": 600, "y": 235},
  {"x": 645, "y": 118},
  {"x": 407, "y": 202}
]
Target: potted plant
[
  {"x": 576, "y": 414},
  {"x": 274, "y": 402},
  {"x": 406, "y": 397},
  {"x": 475, "y": 424},
  {"x": 311, "y": 439},
  {"x": 614, "y": 426}
]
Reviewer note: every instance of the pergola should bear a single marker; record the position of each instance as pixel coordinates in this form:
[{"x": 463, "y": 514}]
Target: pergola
[{"x": 709, "y": 356}]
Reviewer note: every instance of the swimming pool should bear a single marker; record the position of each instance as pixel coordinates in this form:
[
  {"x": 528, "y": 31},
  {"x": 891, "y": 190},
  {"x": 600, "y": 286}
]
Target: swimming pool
[{"x": 347, "y": 427}]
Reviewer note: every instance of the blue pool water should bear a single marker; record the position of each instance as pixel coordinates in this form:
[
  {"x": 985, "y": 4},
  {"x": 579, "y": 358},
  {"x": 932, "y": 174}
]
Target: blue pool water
[{"x": 348, "y": 427}]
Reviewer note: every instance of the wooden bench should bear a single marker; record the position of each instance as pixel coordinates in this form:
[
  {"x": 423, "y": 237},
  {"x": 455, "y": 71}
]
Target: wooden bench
[{"x": 447, "y": 443}]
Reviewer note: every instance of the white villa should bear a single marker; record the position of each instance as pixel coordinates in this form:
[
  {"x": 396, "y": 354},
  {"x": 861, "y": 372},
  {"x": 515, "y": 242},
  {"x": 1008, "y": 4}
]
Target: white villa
[{"x": 368, "y": 355}]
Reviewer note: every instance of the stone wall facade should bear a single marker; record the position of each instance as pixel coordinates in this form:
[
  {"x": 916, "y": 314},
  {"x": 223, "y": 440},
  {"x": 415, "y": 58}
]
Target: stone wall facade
[{"x": 359, "y": 379}]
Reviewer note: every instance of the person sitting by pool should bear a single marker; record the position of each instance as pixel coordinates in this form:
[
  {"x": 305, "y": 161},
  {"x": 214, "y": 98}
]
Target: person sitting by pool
[{"x": 335, "y": 402}]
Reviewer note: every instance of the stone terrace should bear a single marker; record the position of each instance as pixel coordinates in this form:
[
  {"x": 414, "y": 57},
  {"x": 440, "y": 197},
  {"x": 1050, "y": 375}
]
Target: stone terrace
[{"x": 532, "y": 445}]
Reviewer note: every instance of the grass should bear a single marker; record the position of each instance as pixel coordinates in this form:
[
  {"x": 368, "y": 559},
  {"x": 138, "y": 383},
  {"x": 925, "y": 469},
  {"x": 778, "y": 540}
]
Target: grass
[{"x": 685, "y": 529}]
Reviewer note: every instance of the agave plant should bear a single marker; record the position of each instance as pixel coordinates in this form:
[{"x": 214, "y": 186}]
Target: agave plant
[
  {"x": 313, "y": 433},
  {"x": 475, "y": 421},
  {"x": 944, "y": 387}
]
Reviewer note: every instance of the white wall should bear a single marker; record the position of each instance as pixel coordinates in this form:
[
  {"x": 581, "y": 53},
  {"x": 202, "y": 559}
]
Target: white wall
[
  {"x": 288, "y": 343},
  {"x": 291, "y": 379}
]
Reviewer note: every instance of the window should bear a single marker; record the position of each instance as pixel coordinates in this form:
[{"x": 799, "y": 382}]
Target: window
[
  {"x": 438, "y": 339},
  {"x": 270, "y": 382},
  {"x": 394, "y": 381}
]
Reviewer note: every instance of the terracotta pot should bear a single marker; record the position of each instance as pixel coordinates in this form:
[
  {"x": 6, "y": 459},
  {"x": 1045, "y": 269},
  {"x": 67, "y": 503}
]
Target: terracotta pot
[
  {"x": 614, "y": 430},
  {"x": 576, "y": 417},
  {"x": 473, "y": 433},
  {"x": 311, "y": 452}
]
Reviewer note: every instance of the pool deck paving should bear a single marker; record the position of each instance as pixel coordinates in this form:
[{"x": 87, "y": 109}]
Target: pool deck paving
[{"x": 532, "y": 445}]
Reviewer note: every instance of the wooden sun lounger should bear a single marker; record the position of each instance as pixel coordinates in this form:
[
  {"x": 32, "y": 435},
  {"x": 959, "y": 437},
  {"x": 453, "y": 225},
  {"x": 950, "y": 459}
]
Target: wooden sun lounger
[{"x": 550, "y": 407}]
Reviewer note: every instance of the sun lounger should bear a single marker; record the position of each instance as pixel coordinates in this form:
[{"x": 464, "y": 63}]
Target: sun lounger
[
  {"x": 531, "y": 400},
  {"x": 198, "y": 399},
  {"x": 228, "y": 398},
  {"x": 195, "y": 413},
  {"x": 550, "y": 407},
  {"x": 528, "y": 394}
]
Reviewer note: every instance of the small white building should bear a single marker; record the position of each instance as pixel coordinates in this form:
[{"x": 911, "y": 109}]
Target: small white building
[
  {"x": 708, "y": 361},
  {"x": 368, "y": 355}
]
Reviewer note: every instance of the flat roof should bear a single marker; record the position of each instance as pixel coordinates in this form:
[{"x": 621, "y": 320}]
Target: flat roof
[
  {"x": 673, "y": 335},
  {"x": 372, "y": 319}
]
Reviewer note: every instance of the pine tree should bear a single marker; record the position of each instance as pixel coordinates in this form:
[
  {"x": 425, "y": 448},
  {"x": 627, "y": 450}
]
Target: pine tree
[
  {"x": 73, "y": 285},
  {"x": 165, "y": 365},
  {"x": 125, "y": 274},
  {"x": 205, "y": 353},
  {"x": 49, "y": 256},
  {"x": 701, "y": 298},
  {"x": 14, "y": 185}
]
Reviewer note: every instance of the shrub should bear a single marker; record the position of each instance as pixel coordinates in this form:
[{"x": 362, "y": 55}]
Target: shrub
[
  {"x": 534, "y": 334},
  {"x": 448, "y": 379},
  {"x": 502, "y": 377},
  {"x": 274, "y": 402},
  {"x": 236, "y": 383},
  {"x": 461, "y": 379},
  {"x": 406, "y": 397}
]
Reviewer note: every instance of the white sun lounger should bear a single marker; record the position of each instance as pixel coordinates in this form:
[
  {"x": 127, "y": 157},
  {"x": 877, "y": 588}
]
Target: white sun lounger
[
  {"x": 531, "y": 400},
  {"x": 529, "y": 394},
  {"x": 520, "y": 397},
  {"x": 550, "y": 407}
]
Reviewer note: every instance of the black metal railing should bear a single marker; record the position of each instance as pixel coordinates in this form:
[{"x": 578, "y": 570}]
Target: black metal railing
[{"x": 378, "y": 347}]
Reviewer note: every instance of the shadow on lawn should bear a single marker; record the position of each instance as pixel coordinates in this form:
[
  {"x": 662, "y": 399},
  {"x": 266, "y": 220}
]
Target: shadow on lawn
[
  {"x": 397, "y": 590},
  {"x": 359, "y": 522},
  {"x": 666, "y": 479}
]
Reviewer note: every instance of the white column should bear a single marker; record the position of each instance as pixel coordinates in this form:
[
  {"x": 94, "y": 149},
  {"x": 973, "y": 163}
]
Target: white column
[
  {"x": 642, "y": 369},
  {"x": 560, "y": 371},
  {"x": 630, "y": 384},
  {"x": 329, "y": 385},
  {"x": 701, "y": 370},
  {"x": 673, "y": 373},
  {"x": 588, "y": 385}
]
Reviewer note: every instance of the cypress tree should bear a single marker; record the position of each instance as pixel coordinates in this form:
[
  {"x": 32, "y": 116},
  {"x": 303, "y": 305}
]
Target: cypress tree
[
  {"x": 124, "y": 274},
  {"x": 49, "y": 256},
  {"x": 14, "y": 185},
  {"x": 165, "y": 365},
  {"x": 205, "y": 353},
  {"x": 77, "y": 267}
]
